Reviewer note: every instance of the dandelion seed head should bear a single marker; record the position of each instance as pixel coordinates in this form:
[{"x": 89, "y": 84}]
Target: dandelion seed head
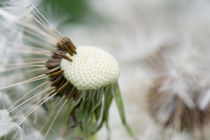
[
  {"x": 91, "y": 68},
  {"x": 44, "y": 68},
  {"x": 180, "y": 89}
]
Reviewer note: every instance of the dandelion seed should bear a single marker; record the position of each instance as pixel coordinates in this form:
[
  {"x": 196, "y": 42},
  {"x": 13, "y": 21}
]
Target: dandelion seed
[
  {"x": 85, "y": 76},
  {"x": 7, "y": 125}
]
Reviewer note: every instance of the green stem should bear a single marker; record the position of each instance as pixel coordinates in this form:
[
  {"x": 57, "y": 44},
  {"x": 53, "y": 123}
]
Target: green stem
[{"x": 120, "y": 106}]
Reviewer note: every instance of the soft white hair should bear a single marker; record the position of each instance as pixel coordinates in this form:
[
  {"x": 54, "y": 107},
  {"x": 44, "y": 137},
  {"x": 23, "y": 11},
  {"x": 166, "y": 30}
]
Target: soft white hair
[{"x": 16, "y": 17}]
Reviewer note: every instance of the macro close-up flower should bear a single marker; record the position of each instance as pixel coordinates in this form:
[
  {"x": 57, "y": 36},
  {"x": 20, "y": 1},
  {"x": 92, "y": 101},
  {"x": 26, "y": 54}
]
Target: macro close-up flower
[
  {"x": 52, "y": 79},
  {"x": 104, "y": 70}
]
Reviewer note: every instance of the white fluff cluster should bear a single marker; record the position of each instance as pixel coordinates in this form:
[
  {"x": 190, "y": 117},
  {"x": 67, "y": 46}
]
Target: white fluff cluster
[
  {"x": 14, "y": 15},
  {"x": 185, "y": 70},
  {"x": 18, "y": 8},
  {"x": 11, "y": 130},
  {"x": 91, "y": 69},
  {"x": 6, "y": 124}
]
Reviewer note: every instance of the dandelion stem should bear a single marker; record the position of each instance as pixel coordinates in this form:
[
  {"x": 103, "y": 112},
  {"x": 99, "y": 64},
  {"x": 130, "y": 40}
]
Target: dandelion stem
[
  {"x": 34, "y": 70},
  {"x": 120, "y": 106},
  {"x": 20, "y": 50},
  {"x": 20, "y": 67},
  {"x": 36, "y": 31},
  {"x": 52, "y": 113},
  {"x": 55, "y": 118},
  {"x": 197, "y": 128},
  {"x": 39, "y": 42},
  {"x": 40, "y": 93},
  {"x": 46, "y": 27},
  {"x": 40, "y": 77},
  {"x": 27, "y": 95},
  {"x": 24, "y": 63},
  {"x": 38, "y": 105},
  {"x": 70, "y": 108},
  {"x": 40, "y": 16}
]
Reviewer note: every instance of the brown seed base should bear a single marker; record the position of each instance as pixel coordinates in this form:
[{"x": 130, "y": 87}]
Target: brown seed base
[
  {"x": 55, "y": 73},
  {"x": 180, "y": 116}
]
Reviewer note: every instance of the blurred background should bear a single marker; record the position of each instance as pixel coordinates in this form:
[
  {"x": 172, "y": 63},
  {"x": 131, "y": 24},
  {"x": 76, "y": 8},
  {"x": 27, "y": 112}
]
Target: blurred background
[{"x": 132, "y": 30}]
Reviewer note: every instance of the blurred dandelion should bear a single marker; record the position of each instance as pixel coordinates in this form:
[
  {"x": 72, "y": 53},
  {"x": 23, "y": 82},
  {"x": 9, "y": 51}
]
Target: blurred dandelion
[
  {"x": 45, "y": 73},
  {"x": 179, "y": 96}
]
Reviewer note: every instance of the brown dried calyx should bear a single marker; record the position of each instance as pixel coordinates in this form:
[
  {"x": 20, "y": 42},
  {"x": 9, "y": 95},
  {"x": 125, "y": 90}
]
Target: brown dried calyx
[{"x": 55, "y": 73}]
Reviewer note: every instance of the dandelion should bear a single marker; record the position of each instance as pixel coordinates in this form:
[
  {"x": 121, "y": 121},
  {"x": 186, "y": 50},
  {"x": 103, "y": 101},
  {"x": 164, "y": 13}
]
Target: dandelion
[
  {"x": 43, "y": 70},
  {"x": 179, "y": 96}
]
